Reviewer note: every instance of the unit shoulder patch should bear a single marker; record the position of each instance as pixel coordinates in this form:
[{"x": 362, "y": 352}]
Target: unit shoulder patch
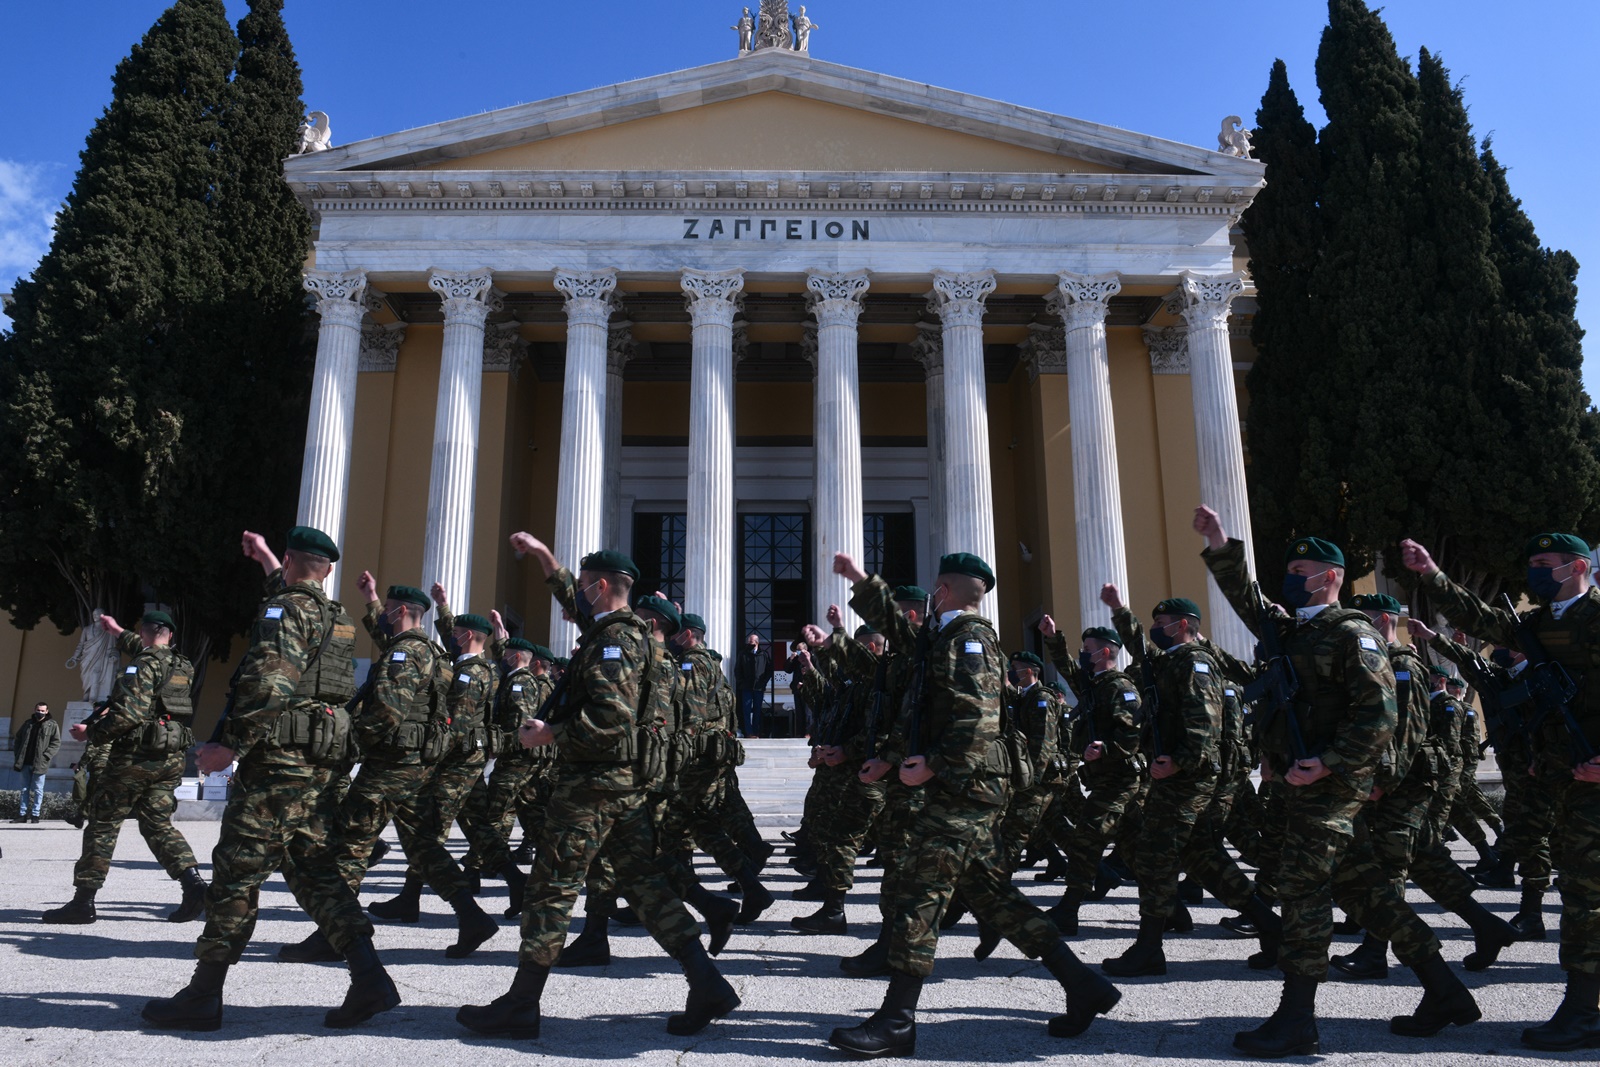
[{"x": 274, "y": 612}]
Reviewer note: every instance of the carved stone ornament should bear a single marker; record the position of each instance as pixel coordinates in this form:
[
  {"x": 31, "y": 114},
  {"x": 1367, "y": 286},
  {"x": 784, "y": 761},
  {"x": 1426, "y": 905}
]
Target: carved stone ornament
[
  {"x": 772, "y": 26},
  {"x": 315, "y": 134},
  {"x": 467, "y": 296},
  {"x": 590, "y": 295},
  {"x": 1044, "y": 351},
  {"x": 836, "y": 299},
  {"x": 1234, "y": 140},
  {"x": 928, "y": 348},
  {"x": 1169, "y": 349},
  {"x": 959, "y": 297},
  {"x": 741, "y": 335},
  {"x": 712, "y": 296},
  {"x": 620, "y": 346},
  {"x": 809, "y": 345},
  {"x": 1206, "y": 297},
  {"x": 340, "y": 296},
  {"x": 380, "y": 347},
  {"x": 1085, "y": 298},
  {"x": 503, "y": 348}
]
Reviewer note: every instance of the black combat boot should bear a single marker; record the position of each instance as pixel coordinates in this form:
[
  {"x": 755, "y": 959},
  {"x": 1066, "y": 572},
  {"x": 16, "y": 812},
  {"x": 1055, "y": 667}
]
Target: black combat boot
[
  {"x": 75, "y": 818},
  {"x": 524, "y": 852},
  {"x": 1445, "y": 1002},
  {"x": 193, "y": 904},
  {"x": 380, "y": 849},
  {"x": 754, "y": 898},
  {"x": 474, "y": 879},
  {"x": 1105, "y": 880},
  {"x": 1529, "y": 921},
  {"x": 516, "y": 883},
  {"x": 1065, "y": 915},
  {"x": 1269, "y": 929},
  {"x": 197, "y": 1006},
  {"x": 592, "y": 946},
  {"x": 988, "y": 940},
  {"x": 953, "y": 913},
  {"x": 1088, "y": 994},
  {"x": 314, "y": 949},
  {"x": 1180, "y": 921},
  {"x": 514, "y": 1013},
  {"x": 720, "y": 914},
  {"x": 1055, "y": 864},
  {"x": 79, "y": 911},
  {"x": 473, "y": 926},
  {"x": 892, "y": 1029},
  {"x": 873, "y": 962},
  {"x": 1346, "y": 926},
  {"x": 1576, "y": 1023},
  {"x": 1488, "y": 858},
  {"x": 1289, "y": 1031},
  {"x": 1370, "y": 960},
  {"x": 1190, "y": 891},
  {"x": 625, "y": 915},
  {"x": 371, "y": 989},
  {"x": 758, "y": 851},
  {"x": 828, "y": 919},
  {"x": 1145, "y": 957},
  {"x": 1238, "y": 925},
  {"x": 1490, "y": 934},
  {"x": 812, "y": 890},
  {"x": 710, "y": 995},
  {"x": 1501, "y": 876},
  {"x": 405, "y": 908}
]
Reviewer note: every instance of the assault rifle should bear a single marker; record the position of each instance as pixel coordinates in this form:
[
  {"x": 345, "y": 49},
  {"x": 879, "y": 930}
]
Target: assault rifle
[
  {"x": 1276, "y": 683},
  {"x": 1551, "y": 688},
  {"x": 919, "y": 681},
  {"x": 1499, "y": 699},
  {"x": 880, "y": 683}
]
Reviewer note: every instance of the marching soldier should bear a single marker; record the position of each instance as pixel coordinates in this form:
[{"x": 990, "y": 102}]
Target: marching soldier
[
  {"x": 287, "y": 731},
  {"x": 144, "y": 733}
]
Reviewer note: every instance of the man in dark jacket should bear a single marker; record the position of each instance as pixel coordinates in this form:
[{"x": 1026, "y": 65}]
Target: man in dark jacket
[
  {"x": 751, "y": 674},
  {"x": 35, "y": 747}
]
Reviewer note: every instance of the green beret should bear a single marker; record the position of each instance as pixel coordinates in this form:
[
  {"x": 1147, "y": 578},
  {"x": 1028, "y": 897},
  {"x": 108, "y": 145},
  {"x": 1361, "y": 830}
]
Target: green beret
[
  {"x": 662, "y": 608},
  {"x": 1177, "y": 605},
  {"x": 1438, "y": 672},
  {"x": 1567, "y": 544},
  {"x": 609, "y": 561},
  {"x": 409, "y": 594},
  {"x": 864, "y": 631},
  {"x": 309, "y": 539},
  {"x": 521, "y": 644},
  {"x": 563, "y": 662},
  {"x": 476, "y": 623},
  {"x": 544, "y": 652},
  {"x": 157, "y": 618},
  {"x": 971, "y": 566},
  {"x": 1105, "y": 634},
  {"x": 907, "y": 593},
  {"x": 691, "y": 621},
  {"x": 1316, "y": 549},
  {"x": 1377, "y": 602},
  {"x": 1029, "y": 658}
]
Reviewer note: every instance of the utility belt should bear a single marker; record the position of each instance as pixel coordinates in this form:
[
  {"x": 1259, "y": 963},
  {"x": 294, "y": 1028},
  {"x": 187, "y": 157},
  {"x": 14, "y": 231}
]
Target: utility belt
[
  {"x": 324, "y": 732},
  {"x": 651, "y": 764},
  {"x": 164, "y": 737}
]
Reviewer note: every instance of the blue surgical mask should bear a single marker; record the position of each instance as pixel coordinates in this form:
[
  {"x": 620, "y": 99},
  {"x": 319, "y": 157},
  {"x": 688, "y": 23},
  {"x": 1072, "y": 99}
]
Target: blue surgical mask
[
  {"x": 1086, "y": 660},
  {"x": 585, "y": 605},
  {"x": 386, "y": 624},
  {"x": 1543, "y": 583},
  {"x": 1161, "y": 637},
  {"x": 1295, "y": 593}
]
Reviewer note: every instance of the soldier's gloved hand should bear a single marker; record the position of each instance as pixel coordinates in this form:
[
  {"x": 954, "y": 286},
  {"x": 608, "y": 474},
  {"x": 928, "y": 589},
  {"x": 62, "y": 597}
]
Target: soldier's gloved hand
[
  {"x": 872, "y": 770},
  {"x": 914, "y": 770},
  {"x": 1307, "y": 771}
]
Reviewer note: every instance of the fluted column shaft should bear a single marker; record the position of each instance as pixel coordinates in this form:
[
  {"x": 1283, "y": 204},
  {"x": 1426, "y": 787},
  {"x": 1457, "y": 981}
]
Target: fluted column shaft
[
  {"x": 468, "y": 298},
  {"x": 1219, "y": 442},
  {"x": 1096, "y": 488},
  {"x": 619, "y": 349},
  {"x": 969, "y": 488},
  {"x": 929, "y": 348},
  {"x": 330, "y": 422},
  {"x": 838, "y": 524},
  {"x": 580, "y": 496},
  {"x": 712, "y": 298}
]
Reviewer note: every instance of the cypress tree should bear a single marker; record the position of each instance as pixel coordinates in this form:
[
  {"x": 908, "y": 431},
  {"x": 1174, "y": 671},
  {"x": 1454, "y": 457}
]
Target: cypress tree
[{"x": 1288, "y": 491}]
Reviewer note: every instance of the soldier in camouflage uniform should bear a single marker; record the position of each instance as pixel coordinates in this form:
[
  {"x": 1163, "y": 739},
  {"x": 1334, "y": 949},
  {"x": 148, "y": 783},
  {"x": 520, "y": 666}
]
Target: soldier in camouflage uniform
[
  {"x": 1105, "y": 733},
  {"x": 91, "y": 763},
  {"x": 954, "y": 750},
  {"x": 1185, "y": 759},
  {"x": 287, "y": 730},
  {"x": 1033, "y": 714},
  {"x": 597, "y": 725},
  {"x": 145, "y": 734},
  {"x": 1563, "y": 628},
  {"x": 1327, "y": 746},
  {"x": 1472, "y": 808}
]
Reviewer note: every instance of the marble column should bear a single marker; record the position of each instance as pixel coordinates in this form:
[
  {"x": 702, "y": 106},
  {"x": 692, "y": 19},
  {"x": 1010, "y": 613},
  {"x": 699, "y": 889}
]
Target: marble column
[
  {"x": 1096, "y": 490},
  {"x": 468, "y": 297},
  {"x": 929, "y": 350},
  {"x": 580, "y": 489},
  {"x": 837, "y": 522},
  {"x": 712, "y": 298},
  {"x": 619, "y": 350},
  {"x": 968, "y": 482},
  {"x": 1219, "y": 441},
  {"x": 330, "y": 423}
]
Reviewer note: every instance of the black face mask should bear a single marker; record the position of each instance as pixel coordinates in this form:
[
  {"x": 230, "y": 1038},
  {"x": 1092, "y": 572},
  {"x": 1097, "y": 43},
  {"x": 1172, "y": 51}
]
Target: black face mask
[
  {"x": 585, "y": 605},
  {"x": 386, "y": 624},
  {"x": 1161, "y": 637},
  {"x": 1086, "y": 660}
]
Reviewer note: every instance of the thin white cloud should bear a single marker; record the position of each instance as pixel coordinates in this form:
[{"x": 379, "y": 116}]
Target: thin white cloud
[{"x": 30, "y": 196}]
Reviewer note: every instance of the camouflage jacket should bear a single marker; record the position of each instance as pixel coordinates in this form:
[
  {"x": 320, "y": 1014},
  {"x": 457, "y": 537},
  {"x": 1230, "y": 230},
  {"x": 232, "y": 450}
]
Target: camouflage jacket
[
  {"x": 402, "y": 685},
  {"x": 1035, "y": 712},
  {"x": 698, "y": 674},
  {"x": 1411, "y": 720},
  {"x": 469, "y": 690},
  {"x": 134, "y": 702},
  {"x": 1108, "y": 712},
  {"x": 1506, "y": 732},
  {"x": 1346, "y": 703},
  {"x": 283, "y": 639},
  {"x": 964, "y": 680},
  {"x": 1189, "y": 712},
  {"x": 1444, "y": 730},
  {"x": 605, "y": 699}
]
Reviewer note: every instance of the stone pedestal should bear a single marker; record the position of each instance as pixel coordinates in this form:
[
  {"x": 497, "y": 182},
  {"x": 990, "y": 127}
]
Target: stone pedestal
[
  {"x": 838, "y": 524},
  {"x": 468, "y": 297},
  {"x": 330, "y": 423},
  {"x": 712, "y": 298}
]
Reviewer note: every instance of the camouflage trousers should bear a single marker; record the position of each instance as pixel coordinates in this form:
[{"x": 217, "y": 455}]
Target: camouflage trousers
[
  {"x": 1472, "y": 808},
  {"x": 92, "y": 762},
  {"x": 582, "y": 821},
  {"x": 279, "y": 817},
  {"x": 1576, "y": 847},
  {"x": 533, "y": 799},
  {"x": 1175, "y": 837},
  {"x": 737, "y": 820},
  {"x": 1369, "y": 882},
  {"x": 601, "y": 882},
  {"x": 142, "y": 789},
  {"x": 369, "y": 804},
  {"x": 423, "y": 820},
  {"x": 1529, "y": 820},
  {"x": 692, "y": 818},
  {"x": 1097, "y": 824},
  {"x": 822, "y": 797},
  {"x": 1022, "y": 819},
  {"x": 902, "y": 804},
  {"x": 1318, "y": 829},
  {"x": 858, "y": 808},
  {"x": 490, "y": 811},
  {"x": 953, "y": 845}
]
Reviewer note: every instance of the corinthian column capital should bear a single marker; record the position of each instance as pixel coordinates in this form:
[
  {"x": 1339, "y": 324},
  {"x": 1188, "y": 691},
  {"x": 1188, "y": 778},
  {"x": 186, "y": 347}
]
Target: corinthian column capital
[
  {"x": 836, "y": 299},
  {"x": 928, "y": 348},
  {"x": 467, "y": 296},
  {"x": 1206, "y": 298},
  {"x": 340, "y": 295},
  {"x": 1085, "y": 298},
  {"x": 590, "y": 295},
  {"x": 712, "y": 296},
  {"x": 959, "y": 298}
]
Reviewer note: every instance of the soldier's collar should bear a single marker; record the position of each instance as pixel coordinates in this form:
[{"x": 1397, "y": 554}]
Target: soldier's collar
[
  {"x": 1310, "y": 611},
  {"x": 1559, "y": 608}
]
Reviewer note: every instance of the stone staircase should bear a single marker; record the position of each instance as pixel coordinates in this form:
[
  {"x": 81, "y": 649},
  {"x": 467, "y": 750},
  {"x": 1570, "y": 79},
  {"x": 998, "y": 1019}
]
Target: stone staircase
[{"x": 774, "y": 779}]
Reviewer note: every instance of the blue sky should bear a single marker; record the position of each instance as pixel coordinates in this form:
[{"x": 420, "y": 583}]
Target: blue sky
[{"x": 1171, "y": 68}]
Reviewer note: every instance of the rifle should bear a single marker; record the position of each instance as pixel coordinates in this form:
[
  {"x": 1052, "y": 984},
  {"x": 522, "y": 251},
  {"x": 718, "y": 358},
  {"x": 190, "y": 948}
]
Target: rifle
[
  {"x": 1276, "y": 682},
  {"x": 1550, "y": 687},
  {"x": 880, "y": 683},
  {"x": 919, "y": 681},
  {"x": 1499, "y": 712},
  {"x": 834, "y": 733}
]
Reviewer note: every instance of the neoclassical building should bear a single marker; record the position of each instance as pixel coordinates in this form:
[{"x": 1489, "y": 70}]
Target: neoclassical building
[{"x": 736, "y": 318}]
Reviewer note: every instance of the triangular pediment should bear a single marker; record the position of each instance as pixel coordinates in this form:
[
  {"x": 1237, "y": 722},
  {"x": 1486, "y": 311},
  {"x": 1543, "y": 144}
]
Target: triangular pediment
[{"x": 773, "y": 111}]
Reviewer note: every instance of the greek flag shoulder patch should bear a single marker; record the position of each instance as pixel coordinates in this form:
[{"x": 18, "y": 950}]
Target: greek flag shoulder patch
[
  {"x": 1202, "y": 668},
  {"x": 516, "y": 689},
  {"x": 1402, "y": 676},
  {"x": 974, "y": 648},
  {"x": 397, "y": 657},
  {"x": 611, "y": 652},
  {"x": 1368, "y": 643},
  {"x": 274, "y": 612},
  {"x": 687, "y": 666},
  {"x": 131, "y": 669},
  {"x": 1130, "y": 697}
]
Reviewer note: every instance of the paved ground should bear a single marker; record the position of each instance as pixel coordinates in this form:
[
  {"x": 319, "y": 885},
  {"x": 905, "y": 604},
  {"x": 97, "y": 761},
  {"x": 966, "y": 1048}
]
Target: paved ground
[{"x": 72, "y": 994}]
